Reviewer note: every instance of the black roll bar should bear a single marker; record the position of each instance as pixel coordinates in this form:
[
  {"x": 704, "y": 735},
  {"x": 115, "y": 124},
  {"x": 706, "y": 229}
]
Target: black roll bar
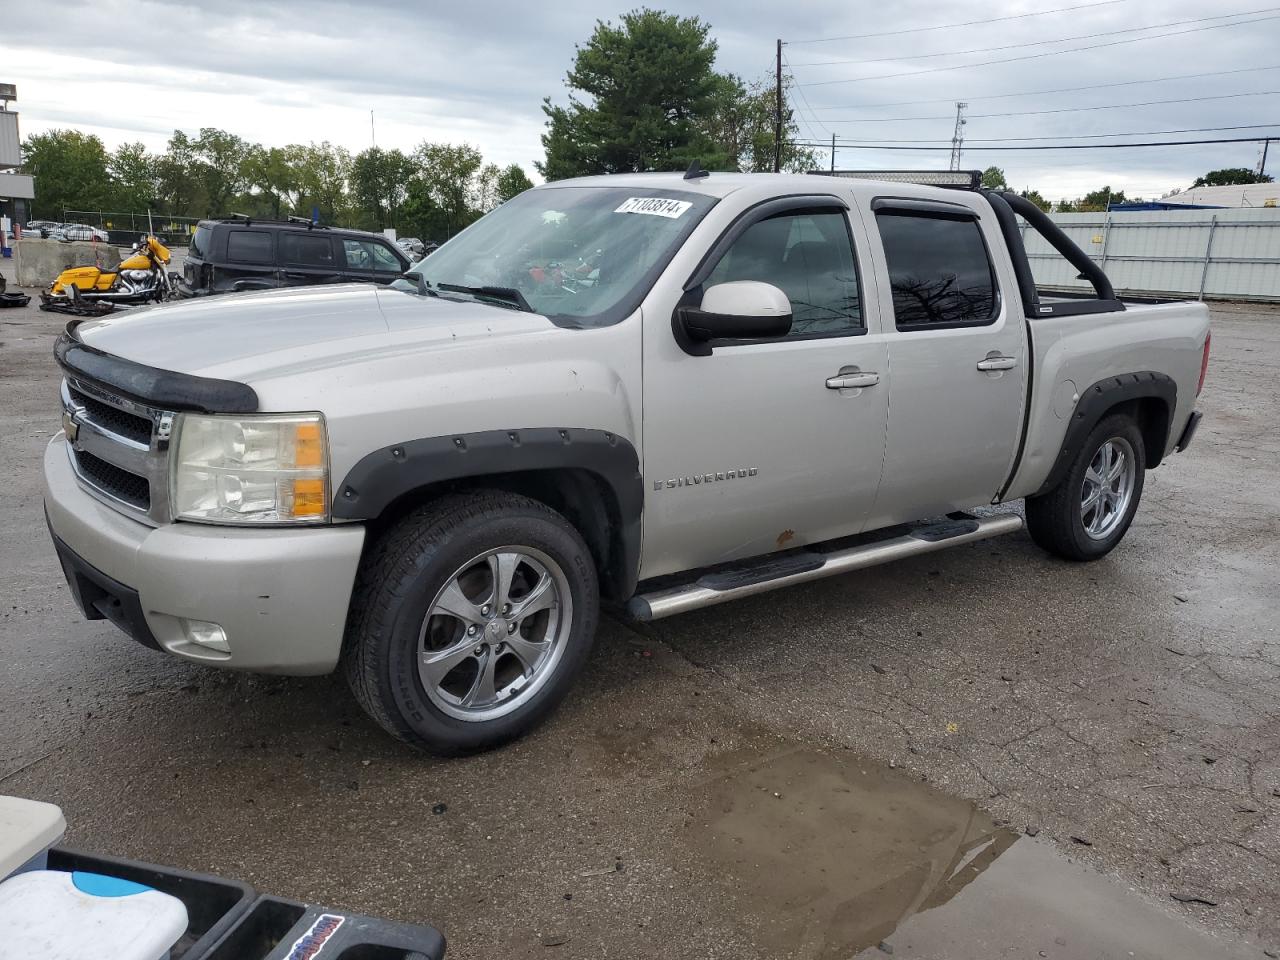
[{"x": 1044, "y": 226}]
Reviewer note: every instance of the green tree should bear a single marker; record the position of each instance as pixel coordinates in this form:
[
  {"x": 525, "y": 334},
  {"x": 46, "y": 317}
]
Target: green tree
[
  {"x": 1231, "y": 176},
  {"x": 323, "y": 172},
  {"x": 379, "y": 182},
  {"x": 179, "y": 189},
  {"x": 221, "y": 167},
  {"x": 70, "y": 168},
  {"x": 275, "y": 173},
  {"x": 993, "y": 179},
  {"x": 512, "y": 181},
  {"x": 742, "y": 125},
  {"x": 1035, "y": 197},
  {"x": 457, "y": 182},
  {"x": 1098, "y": 200},
  {"x": 134, "y": 183},
  {"x": 641, "y": 94}
]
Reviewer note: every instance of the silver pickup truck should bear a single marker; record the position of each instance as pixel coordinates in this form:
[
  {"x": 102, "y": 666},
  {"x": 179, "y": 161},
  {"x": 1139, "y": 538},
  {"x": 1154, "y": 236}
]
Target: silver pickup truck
[{"x": 657, "y": 390}]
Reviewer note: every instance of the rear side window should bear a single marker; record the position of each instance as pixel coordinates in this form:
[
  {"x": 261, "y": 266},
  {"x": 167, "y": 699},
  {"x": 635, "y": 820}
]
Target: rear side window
[
  {"x": 249, "y": 246},
  {"x": 939, "y": 271},
  {"x": 809, "y": 257},
  {"x": 200, "y": 242},
  {"x": 370, "y": 255},
  {"x": 305, "y": 249}
]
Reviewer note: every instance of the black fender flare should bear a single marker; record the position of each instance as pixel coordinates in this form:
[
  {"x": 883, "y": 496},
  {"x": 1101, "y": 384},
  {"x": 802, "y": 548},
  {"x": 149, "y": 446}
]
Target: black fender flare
[
  {"x": 1093, "y": 405},
  {"x": 380, "y": 478}
]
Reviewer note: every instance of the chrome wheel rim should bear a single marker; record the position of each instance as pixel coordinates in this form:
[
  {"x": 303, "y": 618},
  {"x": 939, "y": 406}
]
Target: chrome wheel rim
[
  {"x": 1108, "y": 488},
  {"x": 494, "y": 633}
]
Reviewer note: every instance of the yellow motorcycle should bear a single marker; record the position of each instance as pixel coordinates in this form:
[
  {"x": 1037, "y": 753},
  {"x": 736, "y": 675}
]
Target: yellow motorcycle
[{"x": 139, "y": 278}]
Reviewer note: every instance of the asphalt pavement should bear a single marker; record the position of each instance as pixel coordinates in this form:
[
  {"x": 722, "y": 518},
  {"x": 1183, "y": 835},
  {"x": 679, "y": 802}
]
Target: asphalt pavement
[{"x": 984, "y": 752}]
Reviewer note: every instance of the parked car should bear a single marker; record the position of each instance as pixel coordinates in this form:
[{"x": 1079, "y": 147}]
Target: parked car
[
  {"x": 40, "y": 228},
  {"x": 414, "y": 248},
  {"x": 435, "y": 485},
  {"x": 243, "y": 254},
  {"x": 68, "y": 232}
]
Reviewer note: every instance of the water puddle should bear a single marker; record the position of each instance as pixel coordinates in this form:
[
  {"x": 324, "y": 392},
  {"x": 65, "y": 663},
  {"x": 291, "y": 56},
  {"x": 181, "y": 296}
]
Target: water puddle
[
  {"x": 824, "y": 855},
  {"x": 836, "y": 853}
]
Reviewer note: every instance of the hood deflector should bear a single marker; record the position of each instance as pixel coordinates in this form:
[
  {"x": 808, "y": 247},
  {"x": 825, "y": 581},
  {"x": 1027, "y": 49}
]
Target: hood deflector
[{"x": 165, "y": 389}]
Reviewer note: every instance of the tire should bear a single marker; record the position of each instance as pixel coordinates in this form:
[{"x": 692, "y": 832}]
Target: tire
[
  {"x": 1059, "y": 520},
  {"x": 411, "y": 663}
]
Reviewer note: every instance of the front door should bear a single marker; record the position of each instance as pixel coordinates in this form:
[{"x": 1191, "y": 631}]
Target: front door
[
  {"x": 767, "y": 445},
  {"x": 957, "y": 350}
]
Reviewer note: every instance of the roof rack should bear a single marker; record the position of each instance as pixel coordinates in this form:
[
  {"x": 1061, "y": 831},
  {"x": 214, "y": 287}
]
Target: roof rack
[
  {"x": 953, "y": 179},
  {"x": 248, "y": 220}
]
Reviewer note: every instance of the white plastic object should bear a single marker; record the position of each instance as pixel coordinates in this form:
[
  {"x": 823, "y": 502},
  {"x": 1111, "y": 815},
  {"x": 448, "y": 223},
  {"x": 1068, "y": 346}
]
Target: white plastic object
[
  {"x": 56, "y": 915},
  {"x": 27, "y": 829},
  {"x": 746, "y": 298}
]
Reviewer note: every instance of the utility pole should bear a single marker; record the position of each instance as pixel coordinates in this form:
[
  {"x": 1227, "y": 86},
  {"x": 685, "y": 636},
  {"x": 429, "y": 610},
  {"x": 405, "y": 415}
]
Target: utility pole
[
  {"x": 957, "y": 138},
  {"x": 833, "y": 153},
  {"x": 1262, "y": 164},
  {"x": 373, "y": 133},
  {"x": 777, "y": 112}
]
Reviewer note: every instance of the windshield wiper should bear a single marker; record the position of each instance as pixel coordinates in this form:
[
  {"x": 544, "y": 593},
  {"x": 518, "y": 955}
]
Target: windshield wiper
[{"x": 506, "y": 295}]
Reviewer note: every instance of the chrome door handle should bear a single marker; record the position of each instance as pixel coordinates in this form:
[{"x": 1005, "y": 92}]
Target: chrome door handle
[
  {"x": 998, "y": 363},
  {"x": 852, "y": 381}
]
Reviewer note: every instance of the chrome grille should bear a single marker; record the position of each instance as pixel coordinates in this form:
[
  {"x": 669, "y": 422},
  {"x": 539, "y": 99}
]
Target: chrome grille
[
  {"x": 115, "y": 420},
  {"x": 119, "y": 449}
]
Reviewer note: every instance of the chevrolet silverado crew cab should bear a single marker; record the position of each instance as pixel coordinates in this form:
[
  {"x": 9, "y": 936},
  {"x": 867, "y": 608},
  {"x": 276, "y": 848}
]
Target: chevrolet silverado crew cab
[{"x": 657, "y": 390}]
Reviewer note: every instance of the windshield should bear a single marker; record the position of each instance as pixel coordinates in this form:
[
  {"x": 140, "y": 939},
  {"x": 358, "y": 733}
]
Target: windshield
[{"x": 583, "y": 256}]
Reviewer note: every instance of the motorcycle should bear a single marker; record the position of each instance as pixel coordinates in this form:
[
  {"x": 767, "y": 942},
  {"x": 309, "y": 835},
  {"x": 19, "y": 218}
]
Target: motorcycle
[{"x": 139, "y": 278}]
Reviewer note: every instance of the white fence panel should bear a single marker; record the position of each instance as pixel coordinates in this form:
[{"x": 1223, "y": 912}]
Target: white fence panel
[{"x": 1229, "y": 253}]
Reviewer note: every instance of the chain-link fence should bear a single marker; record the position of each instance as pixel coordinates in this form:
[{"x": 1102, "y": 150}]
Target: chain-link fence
[{"x": 126, "y": 228}]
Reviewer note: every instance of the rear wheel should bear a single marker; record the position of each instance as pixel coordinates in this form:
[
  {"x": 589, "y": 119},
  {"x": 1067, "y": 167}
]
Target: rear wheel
[
  {"x": 470, "y": 621},
  {"x": 1089, "y": 511}
]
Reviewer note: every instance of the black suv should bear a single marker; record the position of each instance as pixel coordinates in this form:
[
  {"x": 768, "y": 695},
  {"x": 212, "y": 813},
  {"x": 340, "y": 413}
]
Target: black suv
[{"x": 239, "y": 253}]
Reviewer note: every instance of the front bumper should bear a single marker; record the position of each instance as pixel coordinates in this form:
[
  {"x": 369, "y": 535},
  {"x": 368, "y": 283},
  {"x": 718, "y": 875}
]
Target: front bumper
[{"x": 280, "y": 595}]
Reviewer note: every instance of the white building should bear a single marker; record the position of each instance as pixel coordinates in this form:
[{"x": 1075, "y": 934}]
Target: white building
[{"x": 1240, "y": 195}]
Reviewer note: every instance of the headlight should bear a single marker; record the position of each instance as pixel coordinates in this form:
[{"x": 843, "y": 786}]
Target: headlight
[{"x": 251, "y": 469}]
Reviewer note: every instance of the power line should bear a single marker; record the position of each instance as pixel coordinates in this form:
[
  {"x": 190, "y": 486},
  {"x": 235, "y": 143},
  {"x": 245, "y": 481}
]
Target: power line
[
  {"x": 1054, "y": 146},
  {"x": 1035, "y": 113},
  {"x": 1041, "y": 43},
  {"x": 1089, "y": 136},
  {"x": 1038, "y": 93},
  {"x": 1038, "y": 56},
  {"x": 967, "y": 23},
  {"x": 805, "y": 99}
]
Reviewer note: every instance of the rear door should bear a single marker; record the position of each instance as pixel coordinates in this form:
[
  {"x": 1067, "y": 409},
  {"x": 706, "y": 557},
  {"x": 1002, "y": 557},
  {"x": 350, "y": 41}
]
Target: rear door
[
  {"x": 250, "y": 260},
  {"x": 308, "y": 257},
  {"x": 957, "y": 357}
]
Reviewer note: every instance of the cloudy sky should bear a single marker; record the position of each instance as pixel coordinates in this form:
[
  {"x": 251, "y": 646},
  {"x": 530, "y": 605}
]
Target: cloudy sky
[{"x": 286, "y": 71}]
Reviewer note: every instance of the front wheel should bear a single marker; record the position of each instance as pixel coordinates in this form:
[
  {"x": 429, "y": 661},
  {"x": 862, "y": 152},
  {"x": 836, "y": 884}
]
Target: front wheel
[
  {"x": 1089, "y": 511},
  {"x": 470, "y": 620}
]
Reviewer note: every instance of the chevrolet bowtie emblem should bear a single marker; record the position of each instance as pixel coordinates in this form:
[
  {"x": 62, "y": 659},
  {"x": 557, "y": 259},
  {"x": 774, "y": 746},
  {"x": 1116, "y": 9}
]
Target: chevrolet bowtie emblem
[{"x": 70, "y": 426}]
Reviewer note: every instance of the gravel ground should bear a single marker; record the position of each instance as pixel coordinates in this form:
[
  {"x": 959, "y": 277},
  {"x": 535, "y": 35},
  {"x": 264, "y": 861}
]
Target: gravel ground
[{"x": 1127, "y": 709}]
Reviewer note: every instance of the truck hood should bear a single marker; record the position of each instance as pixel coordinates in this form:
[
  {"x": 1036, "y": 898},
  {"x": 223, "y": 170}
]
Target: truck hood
[{"x": 258, "y": 335}]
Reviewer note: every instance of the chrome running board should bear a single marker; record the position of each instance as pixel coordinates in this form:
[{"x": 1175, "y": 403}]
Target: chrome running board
[{"x": 773, "y": 573}]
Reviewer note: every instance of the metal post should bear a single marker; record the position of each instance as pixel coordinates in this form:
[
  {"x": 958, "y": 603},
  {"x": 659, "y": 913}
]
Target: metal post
[
  {"x": 777, "y": 112},
  {"x": 1106, "y": 232},
  {"x": 1208, "y": 250}
]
